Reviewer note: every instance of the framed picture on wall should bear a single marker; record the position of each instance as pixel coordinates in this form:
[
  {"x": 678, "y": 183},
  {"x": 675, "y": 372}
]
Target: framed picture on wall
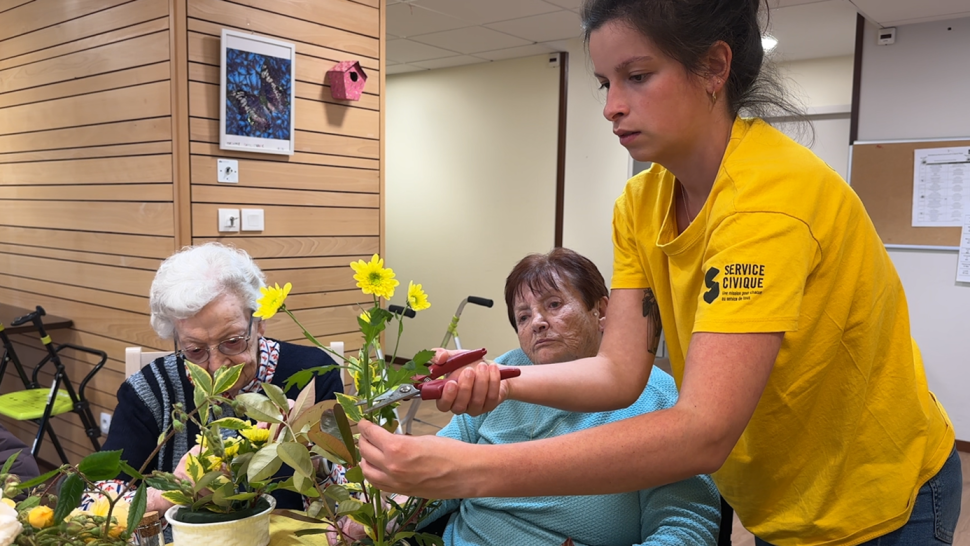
[{"x": 256, "y": 94}]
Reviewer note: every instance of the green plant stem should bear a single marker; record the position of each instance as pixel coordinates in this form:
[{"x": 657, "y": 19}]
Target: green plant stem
[
  {"x": 307, "y": 333},
  {"x": 400, "y": 331}
]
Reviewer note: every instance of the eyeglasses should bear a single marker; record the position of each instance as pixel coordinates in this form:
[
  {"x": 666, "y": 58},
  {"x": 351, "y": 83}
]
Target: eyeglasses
[{"x": 229, "y": 347}]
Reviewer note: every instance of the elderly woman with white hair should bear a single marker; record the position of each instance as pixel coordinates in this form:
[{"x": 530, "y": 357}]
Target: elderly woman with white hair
[{"x": 204, "y": 297}]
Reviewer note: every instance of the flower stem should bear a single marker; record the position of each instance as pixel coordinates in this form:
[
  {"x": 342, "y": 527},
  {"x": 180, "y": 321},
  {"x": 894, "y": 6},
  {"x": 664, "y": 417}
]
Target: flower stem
[{"x": 310, "y": 336}]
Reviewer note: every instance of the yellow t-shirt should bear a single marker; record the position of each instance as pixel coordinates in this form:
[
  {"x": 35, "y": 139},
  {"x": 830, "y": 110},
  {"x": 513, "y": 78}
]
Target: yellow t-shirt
[{"x": 847, "y": 429}]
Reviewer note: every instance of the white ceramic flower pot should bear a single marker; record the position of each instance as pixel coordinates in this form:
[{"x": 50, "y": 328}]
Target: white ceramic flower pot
[{"x": 251, "y": 531}]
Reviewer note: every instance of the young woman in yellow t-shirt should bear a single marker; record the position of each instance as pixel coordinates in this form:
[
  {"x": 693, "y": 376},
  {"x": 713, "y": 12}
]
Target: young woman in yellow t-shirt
[{"x": 801, "y": 388}]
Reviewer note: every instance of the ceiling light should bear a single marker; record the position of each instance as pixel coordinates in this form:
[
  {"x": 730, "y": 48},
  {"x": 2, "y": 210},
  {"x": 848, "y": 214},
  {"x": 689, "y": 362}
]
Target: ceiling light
[{"x": 768, "y": 42}]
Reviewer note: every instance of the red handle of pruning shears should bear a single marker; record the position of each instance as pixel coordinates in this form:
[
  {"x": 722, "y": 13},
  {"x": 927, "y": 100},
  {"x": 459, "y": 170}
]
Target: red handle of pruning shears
[
  {"x": 457, "y": 361},
  {"x": 432, "y": 390}
]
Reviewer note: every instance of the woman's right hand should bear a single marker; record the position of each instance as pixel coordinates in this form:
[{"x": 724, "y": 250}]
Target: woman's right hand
[{"x": 474, "y": 389}]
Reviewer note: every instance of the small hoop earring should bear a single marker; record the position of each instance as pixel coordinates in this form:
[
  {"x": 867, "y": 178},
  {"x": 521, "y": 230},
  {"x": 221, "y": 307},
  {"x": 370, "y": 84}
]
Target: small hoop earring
[{"x": 713, "y": 98}]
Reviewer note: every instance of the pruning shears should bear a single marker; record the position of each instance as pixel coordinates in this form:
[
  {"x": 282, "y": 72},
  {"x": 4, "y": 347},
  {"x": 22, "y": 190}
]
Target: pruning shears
[{"x": 429, "y": 387}]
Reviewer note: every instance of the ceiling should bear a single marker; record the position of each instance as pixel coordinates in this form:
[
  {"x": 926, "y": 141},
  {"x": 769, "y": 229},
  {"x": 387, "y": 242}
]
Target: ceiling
[{"x": 429, "y": 34}]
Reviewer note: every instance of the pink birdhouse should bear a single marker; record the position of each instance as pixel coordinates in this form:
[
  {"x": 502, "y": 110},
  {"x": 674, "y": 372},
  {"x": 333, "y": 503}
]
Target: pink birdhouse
[{"x": 347, "y": 80}]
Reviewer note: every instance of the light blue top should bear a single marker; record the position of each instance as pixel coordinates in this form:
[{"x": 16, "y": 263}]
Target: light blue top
[{"x": 686, "y": 512}]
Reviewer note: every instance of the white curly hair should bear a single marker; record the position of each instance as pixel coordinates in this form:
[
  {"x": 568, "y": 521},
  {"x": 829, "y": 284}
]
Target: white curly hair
[{"x": 195, "y": 276}]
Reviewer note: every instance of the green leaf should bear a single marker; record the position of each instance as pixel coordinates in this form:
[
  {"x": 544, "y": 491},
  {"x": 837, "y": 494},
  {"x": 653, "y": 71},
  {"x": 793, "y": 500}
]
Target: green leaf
[
  {"x": 264, "y": 464},
  {"x": 350, "y": 406},
  {"x": 277, "y": 396},
  {"x": 131, "y": 471},
  {"x": 423, "y": 357},
  {"x": 100, "y": 465},
  {"x": 312, "y": 339},
  {"x": 299, "y": 379},
  {"x": 355, "y": 474},
  {"x": 199, "y": 397},
  {"x": 231, "y": 423},
  {"x": 200, "y": 378},
  {"x": 345, "y": 433},
  {"x": 309, "y": 532},
  {"x": 298, "y": 457},
  {"x": 348, "y": 506},
  {"x": 226, "y": 378},
  {"x": 331, "y": 444},
  {"x": 259, "y": 407},
  {"x": 28, "y": 503},
  {"x": 338, "y": 493},
  {"x": 205, "y": 481},
  {"x": 69, "y": 497},
  {"x": 162, "y": 483},
  {"x": 241, "y": 497},
  {"x": 39, "y": 479},
  {"x": 139, "y": 503},
  {"x": 9, "y": 463}
]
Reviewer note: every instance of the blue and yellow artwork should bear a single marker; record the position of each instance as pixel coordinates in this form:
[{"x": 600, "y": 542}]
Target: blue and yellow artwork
[{"x": 258, "y": 91}]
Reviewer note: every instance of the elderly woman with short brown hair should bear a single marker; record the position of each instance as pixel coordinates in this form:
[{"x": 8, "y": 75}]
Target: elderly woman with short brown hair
[{"x": 557, "y": 304}]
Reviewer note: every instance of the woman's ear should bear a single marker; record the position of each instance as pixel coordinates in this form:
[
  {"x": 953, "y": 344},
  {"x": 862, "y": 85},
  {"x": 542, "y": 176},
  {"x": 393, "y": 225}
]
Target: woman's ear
[
  {"x": 718, "y": 64},
  {"x": 601, "y": 306},
  {"x": 260, "y": 327}
]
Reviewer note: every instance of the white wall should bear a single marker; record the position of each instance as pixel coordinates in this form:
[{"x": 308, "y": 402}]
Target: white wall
[
  {"x": 915, "y": 89},
  {"x": 470, "y": 189}
]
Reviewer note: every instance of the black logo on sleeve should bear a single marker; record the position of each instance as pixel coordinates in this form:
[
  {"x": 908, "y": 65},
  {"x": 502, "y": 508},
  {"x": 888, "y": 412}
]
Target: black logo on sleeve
[{"x": 713, "y": 290}]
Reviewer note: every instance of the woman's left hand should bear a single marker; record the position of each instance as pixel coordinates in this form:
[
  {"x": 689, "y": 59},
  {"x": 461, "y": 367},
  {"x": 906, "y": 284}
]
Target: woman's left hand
[{"x": 419, "y": 466}]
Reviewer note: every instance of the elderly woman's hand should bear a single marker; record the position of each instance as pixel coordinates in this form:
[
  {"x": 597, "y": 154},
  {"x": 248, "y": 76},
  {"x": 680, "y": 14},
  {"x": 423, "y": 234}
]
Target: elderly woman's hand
[{"x": 475, "y": 389}]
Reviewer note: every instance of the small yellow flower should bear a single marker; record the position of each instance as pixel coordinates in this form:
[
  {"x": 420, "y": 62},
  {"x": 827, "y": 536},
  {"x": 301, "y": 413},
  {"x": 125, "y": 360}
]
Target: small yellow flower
[
  {"x": 215, "y": 463},
  {"x": 231, "y": 450},
  {"x": 373, "y": 278},
  {"x": 256, "y": 435},
  {"x": 272, "y": 300},
  {"x": 417, "y": 299},
  {"x": 9, "y": 502},
  {"x": 41, "y": 517}
]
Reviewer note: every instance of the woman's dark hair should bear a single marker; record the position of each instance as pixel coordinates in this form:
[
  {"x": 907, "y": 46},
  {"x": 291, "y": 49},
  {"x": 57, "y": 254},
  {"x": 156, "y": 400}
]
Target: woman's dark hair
[
  {"x": 685, "y": 30},
  {"x": 538, "y": 272}
]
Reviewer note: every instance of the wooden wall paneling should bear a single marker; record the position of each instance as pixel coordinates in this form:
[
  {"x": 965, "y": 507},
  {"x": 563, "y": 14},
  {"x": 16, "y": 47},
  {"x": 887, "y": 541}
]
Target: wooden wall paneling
[
  {"x": 104, "y": 134},
  {"x": 283, "y": 27},
  {"x": 141, "y": 101},
  {"x": 311, "y": 115},
  {"x": 204, "y": 54},
  {"x": 203, "y": 148},
  {"x": 270, "y": 264},
  {"x": 10, "y": 4},
  {"x": 207, "y": 130},
  {"x": 120, "y": 325},
  {"x": 141, "y": 149},
  {"x": 125, "y": 302},
  {"x": 260, "y": 196},
  {"x": 30, "y": 17},
  {"x": 144, "y": 50},
  {"x": 115, "y": 192},
  {"x": 381, "y": 79},
  {"x": 321, "y": 321},
  {"x": 321, "y": 279},
  {"x": 299, "y": 221},
  {"x": 104, "y": 243},
  {"x": 111, "y": 279},
  {"x": 266, "y": 247},
  {"x": 145, "y": 169},
  {"x": 118, "y": 17},
  {"x": 181, "y": 167},
  {"x": 121, "y": 217},
  {"x": 324, "y": 299},
  {"x": 127, "y": 262},
  {"x": 295, "y": 176},
  {"x": 348, "y": 16},
  {"x": 121, "y": 34},
  {"x": 84, "y": 85},
  {"x": 370, "y": 3}
]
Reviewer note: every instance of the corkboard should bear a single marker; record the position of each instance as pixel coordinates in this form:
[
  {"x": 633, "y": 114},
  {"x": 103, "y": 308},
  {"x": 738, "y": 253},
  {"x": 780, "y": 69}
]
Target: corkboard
[{"x": 882, "y": 176}]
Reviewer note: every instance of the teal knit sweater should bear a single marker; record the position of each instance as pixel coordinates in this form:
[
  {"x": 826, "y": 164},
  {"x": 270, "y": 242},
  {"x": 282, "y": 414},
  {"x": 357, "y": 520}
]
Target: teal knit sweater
[{"x": 682, "y": 513}]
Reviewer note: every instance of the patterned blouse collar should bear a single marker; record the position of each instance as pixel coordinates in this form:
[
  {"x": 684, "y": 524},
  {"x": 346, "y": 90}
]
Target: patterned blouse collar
[{"x": 269, "y": 356}]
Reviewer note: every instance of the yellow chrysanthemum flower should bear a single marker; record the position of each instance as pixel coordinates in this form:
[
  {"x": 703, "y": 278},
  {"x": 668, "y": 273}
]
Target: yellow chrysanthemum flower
[
  {"x": 272, "y": 300},
  {"x": 41, "y": 517},
  {"x": 373, "y": 278},
  {"x": 417, "y": 299},
  {"x": 256, "y": 435},
  {"x": 232, "y": 450}
]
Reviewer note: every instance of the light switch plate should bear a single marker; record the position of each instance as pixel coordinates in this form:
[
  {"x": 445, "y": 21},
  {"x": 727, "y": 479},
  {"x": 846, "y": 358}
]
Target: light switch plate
[
  {"x": 228, "y": 171},
  {"x": 252, "y": 220},
  {"x": 229, "y": 220}
]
